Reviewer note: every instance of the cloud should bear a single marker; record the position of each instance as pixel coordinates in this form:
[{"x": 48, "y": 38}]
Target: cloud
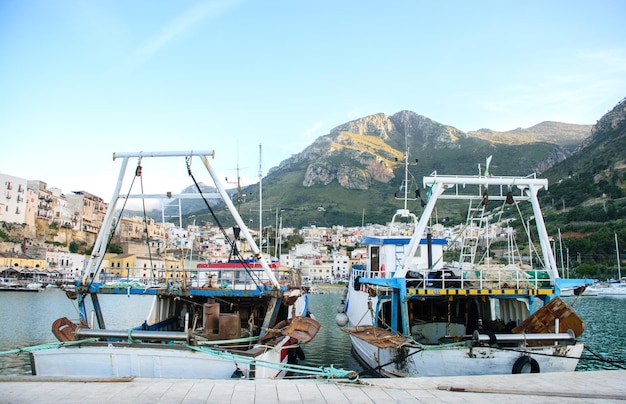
[
  {"x": 313, "y": 129},
  {"x": 180, "y": 25}
]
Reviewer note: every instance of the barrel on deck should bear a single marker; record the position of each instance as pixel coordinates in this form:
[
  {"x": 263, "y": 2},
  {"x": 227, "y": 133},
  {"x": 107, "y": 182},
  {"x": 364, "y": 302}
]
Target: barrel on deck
[
  {"x": 211, "y": 318},
  {"x": 229, "y": 326}
]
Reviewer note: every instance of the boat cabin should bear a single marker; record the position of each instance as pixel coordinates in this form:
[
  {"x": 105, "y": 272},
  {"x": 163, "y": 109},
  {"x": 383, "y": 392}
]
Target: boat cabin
[{"x": 384, "y": 255}]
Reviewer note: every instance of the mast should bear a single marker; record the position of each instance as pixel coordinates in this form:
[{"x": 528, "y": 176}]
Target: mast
[
  {"x": 260, "y": 199},
  {"x": 405, "y": 212},
  {"x": 619, "y": 269}
]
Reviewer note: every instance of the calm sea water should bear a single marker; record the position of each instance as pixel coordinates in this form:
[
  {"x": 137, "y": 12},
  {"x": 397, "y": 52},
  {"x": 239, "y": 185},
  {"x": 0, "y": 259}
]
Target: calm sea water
[{"x": 27, "y": 317}]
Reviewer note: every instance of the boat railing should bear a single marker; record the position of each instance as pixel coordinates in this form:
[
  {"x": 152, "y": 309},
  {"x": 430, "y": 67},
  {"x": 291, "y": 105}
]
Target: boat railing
[
  {"x": 223, "y": 278},
  {"x": 507, "y": 277}
]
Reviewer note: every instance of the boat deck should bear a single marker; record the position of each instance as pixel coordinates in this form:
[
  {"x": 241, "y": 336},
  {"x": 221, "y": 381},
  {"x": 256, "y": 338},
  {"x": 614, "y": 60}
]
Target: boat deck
[{"x": 577, "y": 387}]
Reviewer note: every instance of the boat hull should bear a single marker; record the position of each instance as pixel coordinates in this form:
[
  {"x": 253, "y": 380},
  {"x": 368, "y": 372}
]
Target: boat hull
[
  {"x": 147, "y": 361},
  {"x": 463, "y": 360}
]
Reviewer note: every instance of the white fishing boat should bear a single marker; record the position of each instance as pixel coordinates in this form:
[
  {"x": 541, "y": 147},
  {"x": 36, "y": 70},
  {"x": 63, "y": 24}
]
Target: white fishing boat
[
  {"x": 408, "y": 314},
  {"x": 246, "y": 324}
]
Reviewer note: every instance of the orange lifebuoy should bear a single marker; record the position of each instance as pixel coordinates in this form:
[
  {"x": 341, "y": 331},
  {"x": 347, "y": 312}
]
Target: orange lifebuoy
[{"x": 382, "y": 270}]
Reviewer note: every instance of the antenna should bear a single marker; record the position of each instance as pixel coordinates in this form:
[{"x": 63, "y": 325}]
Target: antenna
[{"x": 238, "y": 182}]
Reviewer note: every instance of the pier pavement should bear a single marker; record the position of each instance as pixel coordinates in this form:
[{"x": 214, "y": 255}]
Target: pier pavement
[{"x": 603, "y": 386}]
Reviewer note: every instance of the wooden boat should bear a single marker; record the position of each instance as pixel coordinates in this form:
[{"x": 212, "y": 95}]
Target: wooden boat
[
  {"x": 409, "y": 314},
  {"x": 247, "y": 324}
]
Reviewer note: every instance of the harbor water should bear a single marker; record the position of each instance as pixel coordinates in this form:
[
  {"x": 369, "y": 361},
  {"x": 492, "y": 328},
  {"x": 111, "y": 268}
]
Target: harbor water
[{"x": 27, "y": 319}]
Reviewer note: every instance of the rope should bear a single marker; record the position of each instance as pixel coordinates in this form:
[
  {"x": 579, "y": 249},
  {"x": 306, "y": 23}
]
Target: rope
[
  {"x": 616, "y": 363},
  {"x": 130, "y": 337},
  {"x": 377, "y": 368},
  {"x": 325, "y": 372},
  {"x": 138, "y": 173},
  {"x": 47, "y": 346},
  {"x": 233, "y": 244},
  {"x": 531, "y": 246},
  {"x": 112, "y": 233}
]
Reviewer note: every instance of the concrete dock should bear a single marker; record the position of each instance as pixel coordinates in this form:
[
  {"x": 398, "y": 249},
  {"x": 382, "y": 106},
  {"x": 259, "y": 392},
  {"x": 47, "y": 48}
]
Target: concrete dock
[{"x": 575, "y": 387}]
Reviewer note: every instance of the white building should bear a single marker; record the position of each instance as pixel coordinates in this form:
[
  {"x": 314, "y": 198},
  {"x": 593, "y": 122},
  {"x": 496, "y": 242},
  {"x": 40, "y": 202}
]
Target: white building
[
  {"x": 67, "y": 263},
  {"x": 13, "y": 199},
  {"x": 341, "y": 265}
]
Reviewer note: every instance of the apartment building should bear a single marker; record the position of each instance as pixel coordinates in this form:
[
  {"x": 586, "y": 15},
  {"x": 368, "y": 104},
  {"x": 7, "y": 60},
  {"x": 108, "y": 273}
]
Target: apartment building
[
  {"x": 89, "y": 210},
  {"x": 13, "y": 199}
]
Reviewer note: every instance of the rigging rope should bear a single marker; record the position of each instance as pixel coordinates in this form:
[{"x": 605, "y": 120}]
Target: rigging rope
[
  {"x": 47, "y": 346},
  {"x": 116, "y": 222},
  {"x": 597, "y": 358},
  {"x": 138, "y": 173},
  {"x": 233, "y": 244},
  {"x": 326, "y": 372}
]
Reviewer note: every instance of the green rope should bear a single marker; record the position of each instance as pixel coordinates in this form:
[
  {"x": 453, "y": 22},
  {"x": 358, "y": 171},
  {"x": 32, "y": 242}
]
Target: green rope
[
  {"x": 326, "y": 372},
  {"x": 130, "y": 337},
  {"x": 46, "y": 346}
]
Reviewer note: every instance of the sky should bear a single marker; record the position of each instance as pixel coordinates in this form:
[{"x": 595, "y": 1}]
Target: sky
[{"x": 82, "y": 79}]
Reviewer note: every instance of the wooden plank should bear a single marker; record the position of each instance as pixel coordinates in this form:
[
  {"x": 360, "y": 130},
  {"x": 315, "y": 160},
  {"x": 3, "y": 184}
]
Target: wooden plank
[
  {"x": 543, "y": 320},
  {"x": 377, "y": 336}
]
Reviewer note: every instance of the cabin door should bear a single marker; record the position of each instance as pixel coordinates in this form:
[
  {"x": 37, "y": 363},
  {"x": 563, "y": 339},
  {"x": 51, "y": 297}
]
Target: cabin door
[{"x": 374, "y": 260}]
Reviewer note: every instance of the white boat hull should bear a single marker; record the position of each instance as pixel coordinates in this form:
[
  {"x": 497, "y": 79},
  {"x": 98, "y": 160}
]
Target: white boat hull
[
  {"x": 110, "y": 361},
  {"x": 605, "y": 291},
  {"x": 462, "y": 360},
  {"x": 612, "y": 291}
]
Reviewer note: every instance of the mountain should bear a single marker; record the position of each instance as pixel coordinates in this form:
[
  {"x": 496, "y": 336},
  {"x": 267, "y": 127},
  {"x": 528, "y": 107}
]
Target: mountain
[
  {"x": 566, "y": 135},
  {"x": 596, "y": 171},
  {"x": 586, "y": 201},
  {"x": 603, "y": 150},
  {"x": 170, "y": 209},
  {"x": 350, "y": 175},
  {"x": 188, "y": 206}
]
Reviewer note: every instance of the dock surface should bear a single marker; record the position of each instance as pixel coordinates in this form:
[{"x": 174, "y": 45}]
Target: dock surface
[{"x": 576, "y": 387}]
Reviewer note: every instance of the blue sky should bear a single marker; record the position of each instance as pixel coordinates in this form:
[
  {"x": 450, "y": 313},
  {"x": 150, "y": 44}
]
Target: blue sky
[{"x": 80, "y": 80}]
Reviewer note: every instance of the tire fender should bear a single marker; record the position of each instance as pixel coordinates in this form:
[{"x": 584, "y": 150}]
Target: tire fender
[{"x": 522, "y": 361}]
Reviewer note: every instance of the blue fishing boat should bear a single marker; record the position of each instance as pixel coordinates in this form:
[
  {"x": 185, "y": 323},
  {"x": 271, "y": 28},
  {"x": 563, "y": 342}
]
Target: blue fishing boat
[{"x": 409, "y": 313}]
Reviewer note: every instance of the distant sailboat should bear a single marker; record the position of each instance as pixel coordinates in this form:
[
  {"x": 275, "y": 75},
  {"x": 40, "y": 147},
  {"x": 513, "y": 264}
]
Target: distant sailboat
[
  {"x": 617, "y": 287},
  {"x": 612, "y": 287}
]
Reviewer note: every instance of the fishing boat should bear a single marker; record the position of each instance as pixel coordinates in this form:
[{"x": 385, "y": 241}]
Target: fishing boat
[
  {"x": 409, "y": 314},
  {"x": 245, "y": 322}
]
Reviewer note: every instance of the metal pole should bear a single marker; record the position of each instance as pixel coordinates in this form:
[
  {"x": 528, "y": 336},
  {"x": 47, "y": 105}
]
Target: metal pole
[{"x": 242, "y": 225}]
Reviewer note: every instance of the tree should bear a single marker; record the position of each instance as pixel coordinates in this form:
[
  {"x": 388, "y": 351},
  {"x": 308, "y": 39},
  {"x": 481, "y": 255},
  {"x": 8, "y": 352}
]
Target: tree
[
  {"x": 293, "y": 240},
  {"x": 115, "y": 248}
]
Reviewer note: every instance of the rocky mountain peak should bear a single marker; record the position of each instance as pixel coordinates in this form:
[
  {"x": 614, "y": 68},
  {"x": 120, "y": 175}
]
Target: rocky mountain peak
[
  {"x": 377, "y": 124},
  {"x": 361, "y": 152},
  {"x": 612, "y": 120}
]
